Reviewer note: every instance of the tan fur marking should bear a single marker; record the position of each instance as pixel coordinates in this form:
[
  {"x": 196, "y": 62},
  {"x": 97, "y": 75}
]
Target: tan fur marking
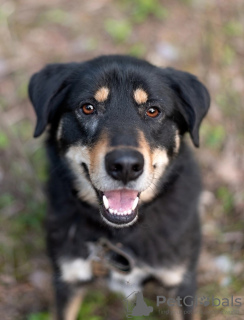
[
  {"x": 73, "y": 307},
  {"x": 177, "y": 142},
  {"x": 59, "y": 131},
  {"x": 145, "y": 150},
  {"x": 102, "y": 94},
  {"x": 160, "y": 161},
  {"x": 97, "y": 156},
  {"x": 148, "y": 166},
  {"x": 76, "y": 155},
  {"x": 140, "y": 96}
]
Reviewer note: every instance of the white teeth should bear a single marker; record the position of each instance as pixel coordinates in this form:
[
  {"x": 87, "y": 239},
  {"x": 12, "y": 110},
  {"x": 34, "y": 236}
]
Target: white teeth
[
  {"x": 135, "y": 203},
  {"x": 105, "y": 202},
  {"x": 120, "y": 213}
]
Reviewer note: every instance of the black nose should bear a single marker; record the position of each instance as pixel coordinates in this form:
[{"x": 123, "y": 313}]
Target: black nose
[{"x": 124, "y": 164}]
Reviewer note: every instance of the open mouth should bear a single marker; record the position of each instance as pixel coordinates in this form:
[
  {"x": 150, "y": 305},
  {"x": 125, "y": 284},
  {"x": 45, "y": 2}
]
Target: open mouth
[{"x": 120, "y": 207}]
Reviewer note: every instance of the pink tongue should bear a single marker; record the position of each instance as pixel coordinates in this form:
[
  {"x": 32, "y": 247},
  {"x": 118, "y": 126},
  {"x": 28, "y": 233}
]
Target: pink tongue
[{"x": 121, "y": 200}]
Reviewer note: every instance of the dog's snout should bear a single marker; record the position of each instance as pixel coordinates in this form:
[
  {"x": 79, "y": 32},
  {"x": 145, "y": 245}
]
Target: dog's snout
[{"x": 124, "y": 165}]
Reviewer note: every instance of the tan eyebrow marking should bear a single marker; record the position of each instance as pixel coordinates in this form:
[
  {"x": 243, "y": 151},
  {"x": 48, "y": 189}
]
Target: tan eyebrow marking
[
  {"x": 102, "y": 94},
  {"x": 140, "y": 96},
  {"x": 177, "y": 142}
]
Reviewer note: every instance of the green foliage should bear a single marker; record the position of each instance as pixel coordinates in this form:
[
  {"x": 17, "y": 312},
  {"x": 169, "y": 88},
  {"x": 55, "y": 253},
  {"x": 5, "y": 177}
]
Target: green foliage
[
  {"x": 214, "y": 136},
  {"x": 39, "y": 316},
  {"x": 141, "y": 9},
  {"x": 234, "y": 28},
  {"x": 91, "y": 44},
  {"x": 3, "y": 104},
  {"x": 31, "y": 218},
  {"x": 226, "y": 197},
  {"x": 6, "y": 200},
  {"x": 230, "y": 103},
  {"x": 187, "y": 2},
  {"x": 237, "y": 283},
  {"x": 92, "y": 301},
  {"x": 137, "y": 50},
  {"x": 118, "y": 30},
  {"x": 23, "y": 130},
  {"x": 138, "y": 11},
  {"x": 27, "y": 226},
  {"x": 41, "y": 170},
  {"x": 22, "y": 90},
  {"x": 4, "y": 141},
  {"x": 57, "y": 16},
  {"x": 6, "y": 9},
  {"x": 228, "y": 55}
]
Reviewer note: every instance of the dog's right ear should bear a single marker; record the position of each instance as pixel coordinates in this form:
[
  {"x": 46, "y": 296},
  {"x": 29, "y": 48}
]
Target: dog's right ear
[{"x": 47, "y": 90}]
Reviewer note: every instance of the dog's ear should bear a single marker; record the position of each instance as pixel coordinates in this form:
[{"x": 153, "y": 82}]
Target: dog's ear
[
  {"x": 193, "y": 99},
  {"x": 47, "y": 90}
]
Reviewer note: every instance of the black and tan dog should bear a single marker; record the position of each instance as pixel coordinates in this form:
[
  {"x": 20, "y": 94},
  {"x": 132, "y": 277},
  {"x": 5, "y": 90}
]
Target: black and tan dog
[{"x": 121, "y": 172}]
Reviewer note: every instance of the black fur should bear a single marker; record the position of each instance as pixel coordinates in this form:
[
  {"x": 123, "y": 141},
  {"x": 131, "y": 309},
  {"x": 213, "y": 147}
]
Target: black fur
[{"x": 167, "y": 232}]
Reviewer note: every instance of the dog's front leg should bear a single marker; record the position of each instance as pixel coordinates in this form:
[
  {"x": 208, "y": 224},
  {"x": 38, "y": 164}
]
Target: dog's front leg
[
  {"x": 68, "y": 300},
  {"x": 186, "y": 292},
  {"x": 70, "y": 284}
]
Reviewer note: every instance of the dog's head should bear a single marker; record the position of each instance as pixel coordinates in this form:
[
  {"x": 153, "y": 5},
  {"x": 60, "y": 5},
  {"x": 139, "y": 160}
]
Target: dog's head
[{"x": 118, "y": 122}]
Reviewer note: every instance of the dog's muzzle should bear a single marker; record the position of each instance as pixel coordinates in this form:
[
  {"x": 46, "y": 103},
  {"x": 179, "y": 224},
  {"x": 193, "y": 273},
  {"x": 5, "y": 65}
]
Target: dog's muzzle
[{"x": 119, "y": 207}]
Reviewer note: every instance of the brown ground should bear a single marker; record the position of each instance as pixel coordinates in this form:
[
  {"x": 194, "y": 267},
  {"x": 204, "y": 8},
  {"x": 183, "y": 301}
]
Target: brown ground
[{"x": 202, "y": 37}]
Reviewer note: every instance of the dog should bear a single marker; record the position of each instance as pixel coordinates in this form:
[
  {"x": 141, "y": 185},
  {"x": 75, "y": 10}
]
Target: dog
[{"x": 123, "y": 185}]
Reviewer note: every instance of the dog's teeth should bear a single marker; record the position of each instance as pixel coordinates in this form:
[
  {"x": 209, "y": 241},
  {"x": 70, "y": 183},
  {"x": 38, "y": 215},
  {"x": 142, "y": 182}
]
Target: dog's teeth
[
  {"x": 129, "y": 211},
  {"x": 135, "y": 203},
  {"x": 105, "y": 202},
  {"x": 111, "y": 210},
  {"x": 115, "y": 211}
]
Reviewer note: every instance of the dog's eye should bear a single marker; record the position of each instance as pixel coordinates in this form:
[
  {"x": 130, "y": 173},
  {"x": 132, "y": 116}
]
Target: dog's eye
[
  {"x": 88, "y": 109},
  {"x": 152, "y": 112}
]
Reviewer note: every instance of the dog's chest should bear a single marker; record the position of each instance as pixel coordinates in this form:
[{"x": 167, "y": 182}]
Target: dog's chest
[{"x": 123, "y": 271}]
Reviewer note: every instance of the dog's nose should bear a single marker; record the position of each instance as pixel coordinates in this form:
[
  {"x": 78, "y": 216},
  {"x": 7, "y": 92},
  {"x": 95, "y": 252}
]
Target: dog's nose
[{"x": 124, "y": 165}]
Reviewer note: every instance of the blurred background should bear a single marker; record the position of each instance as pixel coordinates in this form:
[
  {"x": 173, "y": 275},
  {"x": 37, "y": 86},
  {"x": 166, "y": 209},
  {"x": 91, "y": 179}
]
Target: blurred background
[{"x": 205, "y": 38}]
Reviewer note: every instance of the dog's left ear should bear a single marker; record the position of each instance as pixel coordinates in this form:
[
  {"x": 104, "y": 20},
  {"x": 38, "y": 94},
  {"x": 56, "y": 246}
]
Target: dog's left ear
[
  {"x": 47, "y": 90},
  {"x": 193, "y": 99}
]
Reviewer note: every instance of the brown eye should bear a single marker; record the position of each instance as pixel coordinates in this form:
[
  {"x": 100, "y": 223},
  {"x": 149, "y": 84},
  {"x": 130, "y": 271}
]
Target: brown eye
[
  {"x": 152, "y": 112},
  {"x": 88, "y": 109}
]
